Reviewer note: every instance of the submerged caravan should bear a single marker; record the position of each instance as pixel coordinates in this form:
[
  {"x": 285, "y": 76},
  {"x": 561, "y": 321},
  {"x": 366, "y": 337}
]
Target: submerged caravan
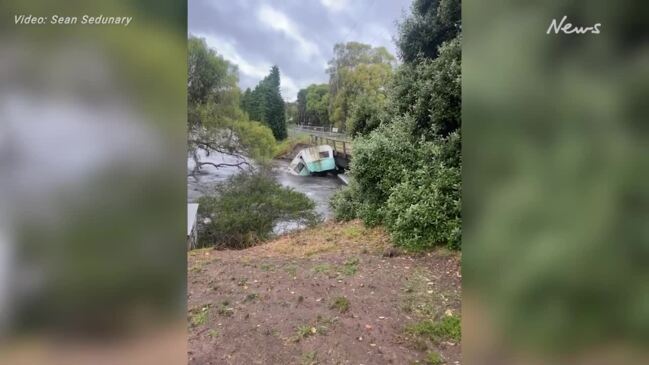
[{"x": 313, "y": 160}]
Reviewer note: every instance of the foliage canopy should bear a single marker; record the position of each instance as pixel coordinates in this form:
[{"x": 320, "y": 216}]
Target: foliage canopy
[
  {"x": 215, "y": 120},
  {"x": 407, "y": 153},
  {"x": 266, "y": 105}
]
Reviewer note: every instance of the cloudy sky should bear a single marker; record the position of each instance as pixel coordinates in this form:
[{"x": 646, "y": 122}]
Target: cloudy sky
[{"x": 296, "y": 35}]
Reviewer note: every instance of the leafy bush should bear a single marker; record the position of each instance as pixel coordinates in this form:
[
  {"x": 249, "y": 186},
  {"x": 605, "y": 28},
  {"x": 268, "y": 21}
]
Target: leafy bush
[
  {"x": 244, "y": 210},
  {"x": 407, "y": 155},
  {"x": 431, "y": 92},
  {"x": 366, "y": 114},
  {"x": 345, "y": 202},
  {"x": 380, "y": 161},
  {"x": 431, "y": 23},
  {"x": 424, "y": 210},
  {"x": 415, "y": 190}
]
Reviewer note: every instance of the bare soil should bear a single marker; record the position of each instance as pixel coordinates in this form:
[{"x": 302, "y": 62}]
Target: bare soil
[{"x": 334, "y": 294}]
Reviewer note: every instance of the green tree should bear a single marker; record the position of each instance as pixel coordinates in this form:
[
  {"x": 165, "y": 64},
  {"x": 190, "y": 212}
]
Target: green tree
[
  {"x": 366, "y": 114},
  {"x": 317, "y": 104},
  {"x": 356, "y": 69},
  {"x": 275, "y": 114},
  {"x": 365, "y": 89},
  {"x": 407, "y": 168},
  {"x": 431, "y": 91},
  {"x": 206, "y": 71},
  {"x": 246, "y": 101},
  {"x": 301, "y": 106},
  {"x": 431, "y": 23},
  {"x": 313, "y": 105},
  {"x": 214, "y": 114},
  {"x": 265, "y": 104},
  {"x": 291, "y": 112}
]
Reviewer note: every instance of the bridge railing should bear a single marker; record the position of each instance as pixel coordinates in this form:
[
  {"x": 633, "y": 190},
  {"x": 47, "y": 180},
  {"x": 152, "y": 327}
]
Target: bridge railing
[
  {"x": 322, "y": 131},
  {"x": 340, "y": 146}
]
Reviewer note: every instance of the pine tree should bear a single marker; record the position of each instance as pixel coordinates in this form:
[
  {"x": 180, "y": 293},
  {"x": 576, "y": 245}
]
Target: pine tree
[
  {"x": 265, "y": 104},
  {"x": 246, "y": 101},
  {"x": 301, "y": 106},
  {"x": 276, "y": 115}
]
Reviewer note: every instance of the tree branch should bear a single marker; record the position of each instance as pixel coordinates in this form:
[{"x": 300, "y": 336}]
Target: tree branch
[
  {"x": 217, "y": 165},
  {"x": 208, "y": 146}
]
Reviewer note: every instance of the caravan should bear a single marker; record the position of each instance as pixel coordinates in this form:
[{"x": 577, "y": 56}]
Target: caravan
[{"x": 313, "y": 160}]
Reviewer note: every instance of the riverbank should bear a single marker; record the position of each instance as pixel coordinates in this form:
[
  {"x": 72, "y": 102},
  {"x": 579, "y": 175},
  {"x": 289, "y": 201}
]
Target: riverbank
[
  {"x": 334, "y": 293},
  {"x": 288, "y": 148}
]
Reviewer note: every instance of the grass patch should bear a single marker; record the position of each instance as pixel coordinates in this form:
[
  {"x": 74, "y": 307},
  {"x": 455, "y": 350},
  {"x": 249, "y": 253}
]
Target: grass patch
[
  {"x": 270, "y": 332},
  {"x": 197, "y": 268},
  {"x": 433, "y": 358},
  {"x": 225, "y": 310},
  {"x": 251, "y": 297},
  {"x": 340, "y": 304},
  {"x": 267, "y": 267},
  {"x": 304, "y": 331},
  {"x": 213, "y": 333},
  {"x": 198, "y": 316},
  {"x": 321, "y": 326},
  {"x": 350, "y": 267},
  {"x": 329, "y": 237},
  {"x": 353, "y": 231},
  {"x": 291, "y": 269},
  {"x": 446, "y": 329},
  {"x": 310, "y": 358},
  {"x": 417, "y": 299},
  {"x": 322, "y": 268}
]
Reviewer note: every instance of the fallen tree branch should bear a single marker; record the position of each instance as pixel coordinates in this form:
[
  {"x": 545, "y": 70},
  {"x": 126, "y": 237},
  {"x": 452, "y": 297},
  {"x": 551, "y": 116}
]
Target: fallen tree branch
[
  {"x": 208, "y": 147},
  {"x": 223, "y": 164},
  {"x": 239, "y": 165}
]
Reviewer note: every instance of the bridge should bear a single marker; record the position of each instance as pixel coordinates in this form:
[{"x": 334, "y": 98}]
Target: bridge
[
  {"x": 320, "y": 131},
  {"x": 342, "y": 148}
]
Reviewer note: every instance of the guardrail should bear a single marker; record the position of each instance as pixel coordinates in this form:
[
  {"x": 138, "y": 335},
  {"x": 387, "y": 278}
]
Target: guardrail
[
  {"x": 322, "y": 131},
  {"x": 342, "y": 148}
]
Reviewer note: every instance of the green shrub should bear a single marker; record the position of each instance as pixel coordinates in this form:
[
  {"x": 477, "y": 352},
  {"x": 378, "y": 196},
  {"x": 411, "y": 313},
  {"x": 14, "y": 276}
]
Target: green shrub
[
  {"x": 424, "y": 210},
  {"x": 244, "y": 209},
  {"x": 407, "y": 172},
  {"x": 366, "y": 114},
  {"x": 380, "y": 161},
  {"x": 430, "y": 91},
  {"x": 344, "y": 202},
  {"x": 414, "y": 190}
]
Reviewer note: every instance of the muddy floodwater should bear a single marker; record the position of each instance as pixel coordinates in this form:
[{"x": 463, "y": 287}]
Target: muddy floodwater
[{"x": 317, "y": 188}]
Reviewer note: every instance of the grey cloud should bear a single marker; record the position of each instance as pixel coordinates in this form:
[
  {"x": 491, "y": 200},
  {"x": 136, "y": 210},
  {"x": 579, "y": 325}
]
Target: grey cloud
[{"x": 235, "y": 30}]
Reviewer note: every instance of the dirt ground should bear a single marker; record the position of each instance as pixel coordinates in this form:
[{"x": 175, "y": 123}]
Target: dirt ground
[{"x": 334, "y": 294}]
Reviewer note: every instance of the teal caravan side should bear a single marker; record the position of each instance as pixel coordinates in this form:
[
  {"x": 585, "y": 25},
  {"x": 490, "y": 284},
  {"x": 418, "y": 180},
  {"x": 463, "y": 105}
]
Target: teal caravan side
[
  {"x": 322, "y": 165},
  {"x": 310, "y": 160}
]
